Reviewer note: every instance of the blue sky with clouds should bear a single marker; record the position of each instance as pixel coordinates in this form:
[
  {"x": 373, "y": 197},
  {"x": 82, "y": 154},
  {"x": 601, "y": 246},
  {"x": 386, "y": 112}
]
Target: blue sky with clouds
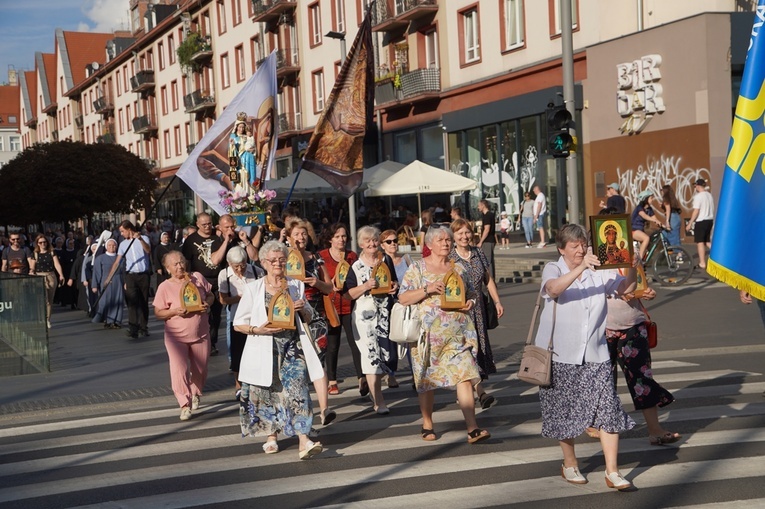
[{"x": 28, "y": 26}]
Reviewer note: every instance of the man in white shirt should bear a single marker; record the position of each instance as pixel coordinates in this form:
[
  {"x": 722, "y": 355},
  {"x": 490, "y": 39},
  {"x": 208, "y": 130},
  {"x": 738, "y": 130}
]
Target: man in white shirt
[
  {"x": 540, "y": 213},
  {"x": 701, "y": 220}
]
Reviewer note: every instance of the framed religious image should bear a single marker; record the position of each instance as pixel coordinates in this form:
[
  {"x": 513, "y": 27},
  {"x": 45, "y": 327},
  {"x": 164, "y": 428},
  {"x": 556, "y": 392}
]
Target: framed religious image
[
  {"x": 642, "y": 282},
  {"x": 612, "y": 240},
  {"x": 454, "y": 291},
  {"x": 281, "y": 310},
  {"x": 341, "y": 274},
  {"x": 295, "y": 265},
  {"x": 381, "y": 273},
  {"x": 191, "y": 299}
]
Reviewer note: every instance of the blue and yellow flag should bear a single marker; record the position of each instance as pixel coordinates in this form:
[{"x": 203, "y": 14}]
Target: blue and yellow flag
[{"x": 739, "y": 236}]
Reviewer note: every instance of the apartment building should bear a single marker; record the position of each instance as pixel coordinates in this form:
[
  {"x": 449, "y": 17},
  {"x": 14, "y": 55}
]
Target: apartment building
[
  {"x": 10, "y": 139},
  {"x": 460, "y": 84}
]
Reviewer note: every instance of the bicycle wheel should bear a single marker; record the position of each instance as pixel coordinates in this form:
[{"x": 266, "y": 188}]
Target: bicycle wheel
[{"x": 673, "y": 268}]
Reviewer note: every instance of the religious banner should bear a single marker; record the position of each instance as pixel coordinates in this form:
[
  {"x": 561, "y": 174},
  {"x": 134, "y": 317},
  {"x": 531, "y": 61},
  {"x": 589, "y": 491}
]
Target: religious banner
[
  {"x": 336, "y": 149},
  {"x": 737, "y": 241},
  {"x": 237, "y": 153}
]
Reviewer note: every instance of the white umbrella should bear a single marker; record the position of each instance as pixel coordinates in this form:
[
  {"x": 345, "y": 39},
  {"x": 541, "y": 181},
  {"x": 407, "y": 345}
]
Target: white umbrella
[{"x": 420, "y": 178}]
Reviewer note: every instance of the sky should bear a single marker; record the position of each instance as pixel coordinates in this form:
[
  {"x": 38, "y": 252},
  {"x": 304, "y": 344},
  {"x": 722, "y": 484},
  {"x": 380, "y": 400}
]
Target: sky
[{"x": 28, "y": 26}]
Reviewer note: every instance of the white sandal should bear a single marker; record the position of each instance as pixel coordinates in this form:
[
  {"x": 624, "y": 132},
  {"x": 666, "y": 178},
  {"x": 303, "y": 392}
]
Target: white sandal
[
  {"x": 311, "y": 449},
  {"x": 271, "y": 447}
]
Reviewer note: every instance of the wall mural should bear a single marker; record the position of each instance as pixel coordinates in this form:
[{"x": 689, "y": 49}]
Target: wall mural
[
  {"x": 657, "y": 172},
  {"x": 514, "y": 183}
]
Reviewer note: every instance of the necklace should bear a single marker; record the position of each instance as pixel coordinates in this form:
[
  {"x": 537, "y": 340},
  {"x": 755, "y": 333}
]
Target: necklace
[
  {"x": 469, "y": 254},
  {"x": 275, "y": 286}
]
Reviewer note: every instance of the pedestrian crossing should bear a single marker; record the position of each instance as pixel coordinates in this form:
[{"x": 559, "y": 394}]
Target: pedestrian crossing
[{"x": 145, "y": 458}]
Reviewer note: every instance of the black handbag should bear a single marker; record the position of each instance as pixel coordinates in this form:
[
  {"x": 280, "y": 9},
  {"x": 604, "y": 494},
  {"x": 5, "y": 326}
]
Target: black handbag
[{"x": 490, "y": 312}]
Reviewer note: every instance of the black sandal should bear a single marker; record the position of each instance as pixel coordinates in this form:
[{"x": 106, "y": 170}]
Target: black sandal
[
  {"x": 363, "y": 388},
  {"x": 487, "y": 400},
  {"x": 427, "y": 434},
  {"x": 477, "y": 435}
]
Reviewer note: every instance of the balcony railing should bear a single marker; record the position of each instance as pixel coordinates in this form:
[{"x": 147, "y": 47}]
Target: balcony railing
[
  {"x": 386, "y": 92},
  {"x": 290, "y": 123},
  {"x": 190, "y": 148},
  {"x": 78, "y": 121},
  {"x": 270, "y": 10},
  {"x": 150, "y": 163},
  {"x": 404, "y": 11},
  {"x": 197, "y": 101},
  {"x": 203, "y": 49},
  {"x": 145, "y": 124},
  {"x": 106, "y": 138},
  {"x": 54, "y": 135},
  {"x": 421, "y": 82},
  {"x": 51, "y": 109},
  {"x": 103, "y": 105},
  {"x": 143, "y": 80}
]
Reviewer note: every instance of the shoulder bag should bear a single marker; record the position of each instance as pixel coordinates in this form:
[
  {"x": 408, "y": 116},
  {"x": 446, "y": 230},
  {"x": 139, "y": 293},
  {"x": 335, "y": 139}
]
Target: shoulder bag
[
  {"x": 490, "y": 316},
  {"x": 536, "y": 363},
  {"x": 653, "y": 333},
  {"x": 405, "y": 323}
]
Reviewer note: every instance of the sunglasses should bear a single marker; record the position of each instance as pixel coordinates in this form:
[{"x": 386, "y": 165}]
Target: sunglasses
[
  {"x": 15, "y": 240},
  {"x": 42, "y": 243},
  {"x": 389, "y": 241}
]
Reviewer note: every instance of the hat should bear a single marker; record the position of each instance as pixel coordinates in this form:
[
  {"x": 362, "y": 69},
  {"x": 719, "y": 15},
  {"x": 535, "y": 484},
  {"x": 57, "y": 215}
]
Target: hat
[
  {"x": 643, "y": 195},
  {"x": 701, "y": 182},
  {"x": 614, "y": 186}
]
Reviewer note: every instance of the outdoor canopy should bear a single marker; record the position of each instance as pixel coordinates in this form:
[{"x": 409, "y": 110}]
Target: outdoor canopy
[
  {"x": 420, "y": 178},
  {"x": 310, "y": 185}
]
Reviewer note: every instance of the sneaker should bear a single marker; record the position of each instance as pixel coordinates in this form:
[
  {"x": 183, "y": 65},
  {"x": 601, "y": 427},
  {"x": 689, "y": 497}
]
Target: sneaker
[
  {"x": 185, "y": 413},
  {"x": 213, "y": 351},
  {"x": 528, "y": 246},
  {"x": 541, "y": 245},
  {"x": 143, "y": 333},
  {"x": 49, "y": 324},
  {"x": 195, "y": 402}
]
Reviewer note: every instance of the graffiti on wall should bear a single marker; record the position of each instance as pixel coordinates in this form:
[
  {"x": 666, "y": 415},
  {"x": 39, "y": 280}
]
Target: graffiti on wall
[{"x": 658, "y": 172}]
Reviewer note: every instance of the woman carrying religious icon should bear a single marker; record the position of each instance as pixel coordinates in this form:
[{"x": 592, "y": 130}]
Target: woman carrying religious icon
[
  {"x": 445, "y": 357},
  {"x": 276, "y": 362},
  {"x": 187, "y": 332},
  {"x": 371, "y": 313}
]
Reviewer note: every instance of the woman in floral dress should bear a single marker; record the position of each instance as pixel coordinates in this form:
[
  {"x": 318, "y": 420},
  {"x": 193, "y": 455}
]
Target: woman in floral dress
[
  {"x": 477, "y": 270},
  {"x": 446, "y": 357},
  {"x": 276, "y": 363}
]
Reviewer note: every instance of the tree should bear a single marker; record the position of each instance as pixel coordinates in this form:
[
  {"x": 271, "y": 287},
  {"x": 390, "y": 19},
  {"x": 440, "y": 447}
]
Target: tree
[{"x": 65, "y": 181}]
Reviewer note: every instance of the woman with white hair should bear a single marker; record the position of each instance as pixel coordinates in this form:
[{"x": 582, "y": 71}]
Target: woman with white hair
[
  {"x": 231, "y": 284},
  {"x": 371, "y": 313},
  {"x": 112, "y": 298}
]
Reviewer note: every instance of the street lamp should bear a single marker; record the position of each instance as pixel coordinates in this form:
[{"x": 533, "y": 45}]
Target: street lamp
[{"x": 340, "y": 36}]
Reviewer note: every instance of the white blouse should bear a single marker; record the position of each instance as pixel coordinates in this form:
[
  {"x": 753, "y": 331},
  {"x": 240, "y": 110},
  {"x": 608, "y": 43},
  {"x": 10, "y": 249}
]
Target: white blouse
[{"x": 580, "y": 322}]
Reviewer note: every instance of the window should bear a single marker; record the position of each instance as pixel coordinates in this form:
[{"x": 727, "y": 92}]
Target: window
[
  {"x": 338, "y": 15},
  {"x": 318, "y": 91},
  {"x": 163, "y": 95},
  {"x": 122, "y": 121},
  {"x": 166, "y": 139},
  {"x": 171, "y": 49},
  {"x": 314, "y": 19},
  {"x": 2, "y": 144},
  {"x": 556, "y": 15},
  {"x": 161, "y": 51},
  {"x": 125, "y": 78},
  {"x": 177, "y": 135},
  {"x": 119, "y": 84},
  {"x": 224, "y": 67},
  {"x": 256, "y": 52},
  {"x": 128, "y": 116},
  {"x": 512, "y": 19},
  {"x": 236, "y": 11},
  {"x": 431, "y": 49},
  {"x": 174, "y": 94},
  {"x": 221, "y": 17},
  {"x": 471, "y": 37},
  {"x": 239, "y": 54}
]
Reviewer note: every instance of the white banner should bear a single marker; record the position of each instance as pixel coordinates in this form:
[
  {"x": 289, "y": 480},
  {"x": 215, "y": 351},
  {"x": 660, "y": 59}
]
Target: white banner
[{"x": 237, "y": 153}]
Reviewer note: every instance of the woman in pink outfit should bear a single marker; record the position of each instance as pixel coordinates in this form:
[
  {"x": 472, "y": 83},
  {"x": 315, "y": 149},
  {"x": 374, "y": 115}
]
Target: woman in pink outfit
[{"x": 187, "y": 334}]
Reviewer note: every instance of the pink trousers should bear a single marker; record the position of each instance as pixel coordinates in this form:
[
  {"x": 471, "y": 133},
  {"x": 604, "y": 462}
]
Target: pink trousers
[{"x": 188, "y": 368}]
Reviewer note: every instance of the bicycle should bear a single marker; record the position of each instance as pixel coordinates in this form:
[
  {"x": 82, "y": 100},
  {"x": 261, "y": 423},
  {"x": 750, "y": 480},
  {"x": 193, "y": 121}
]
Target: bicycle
[{"x": 672, "y": 265}]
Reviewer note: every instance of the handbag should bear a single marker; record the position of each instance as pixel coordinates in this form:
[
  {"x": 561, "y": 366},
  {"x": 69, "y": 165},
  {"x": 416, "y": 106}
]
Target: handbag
[
  {"x": 536, "y": 363},
  {"x": 405, "y": 324},
  {"x": 651, "y": 328},
  {"x": 491, "y": 319}
]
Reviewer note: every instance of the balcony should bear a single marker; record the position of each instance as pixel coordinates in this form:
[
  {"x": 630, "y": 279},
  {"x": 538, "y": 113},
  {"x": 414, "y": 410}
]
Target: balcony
[
  {"x": 107, "y": 135},
  {"x": 403, "y": 12},
  {"x": 411, "y": 10},
  {"x": 290, "y": 124},
  {"x": 78, "y": 121},
  {"x": 203, "y": 50},
  {"x": 421, "y": 84},
  {"x": 54, "y": 135},
  {"x": 265, "y": 11},
  {"x": 142, "y": 81},
  {"x": 386, "y": 91},
  {"x": 287, "y": 64},
  {"x": 145, "y": 124},
  {"x": 51, "y": 109},
  {"x": 190, "y": 148},
  {"x": 103, "y": 105},
  {"x": 198, "y": 101}
]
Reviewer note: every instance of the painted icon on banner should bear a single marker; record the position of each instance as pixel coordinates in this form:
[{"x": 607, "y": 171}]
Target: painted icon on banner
[
  {"x": 612, "y": 240},
  {"x": 281, "y": 310},
  {"x": 454, "y": 290},
  {"x": 341, "y": 273},
  {"x": 295, "y": 265},
  {"x": 381, "y": 273},
  {"x": 191, "y": 299}
]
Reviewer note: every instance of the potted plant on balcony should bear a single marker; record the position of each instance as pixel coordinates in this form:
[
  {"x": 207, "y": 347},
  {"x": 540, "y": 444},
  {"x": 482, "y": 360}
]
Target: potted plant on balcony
[
  {"x": 387, "y": 84},
  {"x": 191, "y": 45}
]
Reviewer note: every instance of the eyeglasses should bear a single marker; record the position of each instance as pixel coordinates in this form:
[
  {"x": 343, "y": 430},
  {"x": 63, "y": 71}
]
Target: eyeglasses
[
  {"x": 389, "y": 241},
  {"x": 201, "y": 225},
  {"x": 274, "y": 261}
]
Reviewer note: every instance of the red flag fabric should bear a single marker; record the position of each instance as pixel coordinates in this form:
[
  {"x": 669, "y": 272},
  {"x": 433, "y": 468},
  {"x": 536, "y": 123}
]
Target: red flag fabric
[{"x": 335, "y": 150}]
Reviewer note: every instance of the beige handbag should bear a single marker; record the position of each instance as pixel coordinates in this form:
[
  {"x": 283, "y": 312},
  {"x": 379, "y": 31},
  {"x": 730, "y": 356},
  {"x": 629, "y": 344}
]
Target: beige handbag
[{"x": 536, "y": 363}]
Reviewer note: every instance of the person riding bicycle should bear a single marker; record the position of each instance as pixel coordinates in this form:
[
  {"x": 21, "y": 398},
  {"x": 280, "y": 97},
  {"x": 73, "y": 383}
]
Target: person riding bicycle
[{"x": 643, "y": 212}]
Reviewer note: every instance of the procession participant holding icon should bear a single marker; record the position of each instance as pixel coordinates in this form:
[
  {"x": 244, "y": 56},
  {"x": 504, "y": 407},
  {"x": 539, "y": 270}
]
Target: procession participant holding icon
[
  {"x": 278, "y": 357},
  {"x": 182, "y": 301}
]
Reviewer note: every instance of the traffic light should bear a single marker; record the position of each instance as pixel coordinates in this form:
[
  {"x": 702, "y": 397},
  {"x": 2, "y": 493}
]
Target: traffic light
[{"x": 559, "y": 140}]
